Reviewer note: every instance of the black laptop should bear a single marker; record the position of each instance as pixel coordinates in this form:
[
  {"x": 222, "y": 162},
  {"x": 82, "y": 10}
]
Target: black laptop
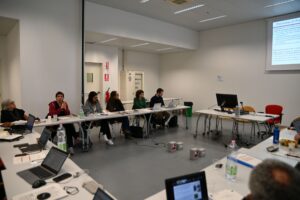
[
  {"x": 22, "y": 129},
  {"x": 40, "y": 145},
  {"x": 102, "y": 195},
  {"x": 50, "y": 167},
  {"x": 187, "y": 187}
]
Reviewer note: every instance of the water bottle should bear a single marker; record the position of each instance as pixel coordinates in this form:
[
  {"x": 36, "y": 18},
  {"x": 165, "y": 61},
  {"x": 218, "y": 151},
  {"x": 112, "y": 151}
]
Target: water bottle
[
  {"x": 237, "y": 111},
  {"x": 61, "y": 138},
  {"x": 276, "y": 135},
  {"x": 231, "y": 164},
  {"x": 81, "y": 113}
]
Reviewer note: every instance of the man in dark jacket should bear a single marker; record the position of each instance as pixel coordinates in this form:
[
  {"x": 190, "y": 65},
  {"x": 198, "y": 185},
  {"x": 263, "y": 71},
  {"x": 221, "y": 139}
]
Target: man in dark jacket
[{"x": 161, "y": 117}]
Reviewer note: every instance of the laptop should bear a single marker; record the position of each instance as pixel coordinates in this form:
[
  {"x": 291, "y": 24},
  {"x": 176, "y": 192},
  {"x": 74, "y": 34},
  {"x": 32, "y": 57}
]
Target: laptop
[
  {"x": 187, "y": 187},
  {"x": 50, "y": 167},
  {"x": 157, "y": 106},
  {"x": 21, "y": 129},
  {"x": 40, "y": 145},
  {"x": 172, "y": 104},
  {"x": 102, "y": 195}
]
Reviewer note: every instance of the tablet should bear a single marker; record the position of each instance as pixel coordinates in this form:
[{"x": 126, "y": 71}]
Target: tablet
[{"x": 187, "y": 187}]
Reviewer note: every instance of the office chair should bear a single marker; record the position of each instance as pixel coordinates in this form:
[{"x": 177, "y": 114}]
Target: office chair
[{"x": 275, "y": 110}]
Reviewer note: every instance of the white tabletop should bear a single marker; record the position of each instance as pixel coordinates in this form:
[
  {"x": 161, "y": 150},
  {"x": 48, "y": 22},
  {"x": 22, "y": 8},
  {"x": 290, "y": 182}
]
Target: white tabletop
[
  {"x": 216, "y": 180},
  {"x": 10, "y": 177},
  {"x": 258, "y": 117},
  {"x": 165, "y": 99}
]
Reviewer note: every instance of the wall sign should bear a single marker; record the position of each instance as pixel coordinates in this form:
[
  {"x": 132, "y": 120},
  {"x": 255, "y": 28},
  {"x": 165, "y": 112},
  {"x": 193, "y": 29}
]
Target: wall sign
[{"x": 106, "y": 77}]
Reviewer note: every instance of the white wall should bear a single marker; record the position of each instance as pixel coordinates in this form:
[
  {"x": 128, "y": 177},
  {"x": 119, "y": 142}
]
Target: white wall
[
  {"x": 2, "y": 47},
  {"x": 50, "y": 50},
  {"x": 112, "y": 21},
  {"x": 238, "y": 54},
  {"x": 149, "y": 64},
  {"x": 103, "y": 54},
  {"x": 11, "y": 68}
]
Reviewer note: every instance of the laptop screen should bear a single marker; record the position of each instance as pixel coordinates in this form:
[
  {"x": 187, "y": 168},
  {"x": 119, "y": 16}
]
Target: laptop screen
[
  {"x": 44, "y": 137},
  {"x": 102, "y": 195},
  {"x": 188, "y": 187},
  {"x": 55, "y": 160},
  {"x": 30, "y": 122}
]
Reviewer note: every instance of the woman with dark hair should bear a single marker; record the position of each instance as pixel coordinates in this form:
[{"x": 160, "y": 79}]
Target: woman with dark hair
[
  {"x": 92, "y": 106},
  {"x": 114, "y": 105},
  {"x": 60, "y": 107},
  {"x": 139, "y": 101}
]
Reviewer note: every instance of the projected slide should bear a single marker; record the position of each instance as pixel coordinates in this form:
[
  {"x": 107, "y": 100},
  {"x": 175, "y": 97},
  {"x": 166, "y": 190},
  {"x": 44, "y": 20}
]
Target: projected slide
[{"x": 286, "y": 42}]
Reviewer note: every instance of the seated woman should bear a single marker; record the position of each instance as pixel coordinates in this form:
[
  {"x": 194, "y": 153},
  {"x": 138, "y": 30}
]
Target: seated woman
[
  {"x": 114, "y": 104},
  {"x": 11, "y": 113},
  {"x": 92, "y": 105},
  {"x": 60, "y": 107},
  {"x": 139, "y": 101}
]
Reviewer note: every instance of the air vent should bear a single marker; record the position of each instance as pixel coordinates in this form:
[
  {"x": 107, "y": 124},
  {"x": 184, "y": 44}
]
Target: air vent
[{"x": 179, "y": 2}]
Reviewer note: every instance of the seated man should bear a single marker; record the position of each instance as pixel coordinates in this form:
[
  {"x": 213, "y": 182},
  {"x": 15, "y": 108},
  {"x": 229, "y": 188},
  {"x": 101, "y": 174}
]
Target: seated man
[
  {"x": 114, "y": 104},
  {"x": 92, "y": 105},
  {"x": 273, "y": 179},
  {"x": 11, "y": 113},
  {"x": 161, "y": 117},
  {"x": 296, "y": 125},
  {"x": 60, "y": 107}
]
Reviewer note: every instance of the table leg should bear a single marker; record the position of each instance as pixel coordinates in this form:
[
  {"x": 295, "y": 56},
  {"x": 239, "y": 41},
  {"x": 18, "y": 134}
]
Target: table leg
[{"x": 197, "y": 123}]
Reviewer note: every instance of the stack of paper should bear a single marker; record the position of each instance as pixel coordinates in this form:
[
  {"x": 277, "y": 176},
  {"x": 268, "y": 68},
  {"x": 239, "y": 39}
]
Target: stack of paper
[
  {"x": 4, "y": 135},
  {"x": 247, "y": 160},
  {"x": 29, "y": 158}
]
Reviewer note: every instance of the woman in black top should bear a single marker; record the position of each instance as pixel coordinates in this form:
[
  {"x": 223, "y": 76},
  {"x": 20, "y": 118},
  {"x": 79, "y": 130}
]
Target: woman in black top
[
  {"x": 11, "y": 113},
  {"x": 114, "y": 105}
]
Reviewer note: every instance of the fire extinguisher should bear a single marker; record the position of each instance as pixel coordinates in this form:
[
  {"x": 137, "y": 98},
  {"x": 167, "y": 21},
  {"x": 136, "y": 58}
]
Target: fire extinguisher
[{"x": 107, "y": 95}]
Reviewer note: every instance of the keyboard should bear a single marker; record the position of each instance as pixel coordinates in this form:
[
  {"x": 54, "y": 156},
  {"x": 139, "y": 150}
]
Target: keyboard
[
  {"x": 32, "y": 148},
  {"x": 40, "y": 172}
]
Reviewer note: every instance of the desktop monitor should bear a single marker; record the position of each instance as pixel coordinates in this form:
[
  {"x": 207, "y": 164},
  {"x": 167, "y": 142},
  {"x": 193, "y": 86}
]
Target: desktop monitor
[{"x": 227, "y": 100}]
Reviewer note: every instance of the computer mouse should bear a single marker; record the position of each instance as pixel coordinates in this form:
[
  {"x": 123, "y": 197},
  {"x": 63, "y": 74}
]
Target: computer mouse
[
  {"x": 44, "y": 195},
  {"x": 38, "y": 183}
]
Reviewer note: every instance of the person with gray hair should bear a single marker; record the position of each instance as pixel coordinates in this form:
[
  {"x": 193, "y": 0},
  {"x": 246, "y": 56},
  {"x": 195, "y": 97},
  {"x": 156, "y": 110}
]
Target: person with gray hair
[
  {"x": 274, "y": 180},
  {"x": 11, "y": 113}
]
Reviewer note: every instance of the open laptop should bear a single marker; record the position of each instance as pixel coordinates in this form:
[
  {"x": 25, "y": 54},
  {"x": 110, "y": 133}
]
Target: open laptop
[
  {"x": 40, "y": 145},
  {"x": 187, "y": 187},
  {"x": 157, "y": 106},
  {"x": 50, "y": 167},
  {"x": 172, "y": 104},
  {"x": 102, "y": 195},
  {"x": 21, "y": 129}
]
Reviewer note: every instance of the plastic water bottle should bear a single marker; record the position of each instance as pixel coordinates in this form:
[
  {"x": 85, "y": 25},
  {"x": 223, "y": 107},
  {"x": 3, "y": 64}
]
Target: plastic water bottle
[
  {"x": 231, "y": 164},
  {"x": 237, "y": 111},
  {"x": 81, "y": 113},
  {"x": 276, "y": 135},
  {"x": 61, "y": 138}
]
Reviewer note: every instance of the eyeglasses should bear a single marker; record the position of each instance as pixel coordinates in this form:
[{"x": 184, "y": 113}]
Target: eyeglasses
[{"x": 71, "y": 190}]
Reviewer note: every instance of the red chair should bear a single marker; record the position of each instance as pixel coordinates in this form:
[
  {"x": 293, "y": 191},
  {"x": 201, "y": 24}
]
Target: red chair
[{"x": 275, "y": 110}]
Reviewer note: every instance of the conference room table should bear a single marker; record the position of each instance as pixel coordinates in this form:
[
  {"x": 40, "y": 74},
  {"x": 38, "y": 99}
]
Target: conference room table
[
  {"x": 15, "y": 185},
  {"x": 215, "y": 177},
  {"x": 256, "y": 118},
  {"x": 73, "y": 119}
]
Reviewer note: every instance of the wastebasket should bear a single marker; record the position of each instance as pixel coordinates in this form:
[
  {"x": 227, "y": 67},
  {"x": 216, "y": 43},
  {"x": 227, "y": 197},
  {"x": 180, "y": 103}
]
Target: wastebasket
[{"x": 189, "y": 111}]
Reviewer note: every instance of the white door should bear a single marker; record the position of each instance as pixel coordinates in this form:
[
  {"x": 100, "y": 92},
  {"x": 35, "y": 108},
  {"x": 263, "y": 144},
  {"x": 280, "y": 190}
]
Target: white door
[{"x": 93, "y": 78}]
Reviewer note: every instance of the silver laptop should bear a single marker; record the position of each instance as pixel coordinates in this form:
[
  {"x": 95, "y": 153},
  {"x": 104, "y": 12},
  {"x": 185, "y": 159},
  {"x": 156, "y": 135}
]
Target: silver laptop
[
  {"x": 157, "y": 106},
  {"x": 50, "y": 167},
  {"x": 40, "y": 145},
  {"x": 172, "y": 104}
]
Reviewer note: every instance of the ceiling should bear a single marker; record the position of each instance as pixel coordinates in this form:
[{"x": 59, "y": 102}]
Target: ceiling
[
  {"x": 129, "y": 44},
  {"x": 6, "y": 24},
  {"x": 236, "y": 11}
]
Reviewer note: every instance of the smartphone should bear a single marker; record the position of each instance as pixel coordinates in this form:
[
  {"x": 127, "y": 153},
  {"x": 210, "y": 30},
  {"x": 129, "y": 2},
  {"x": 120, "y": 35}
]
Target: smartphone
[
  {"x": 272, "y": 148},
  {"x": 62, "y": 177}
]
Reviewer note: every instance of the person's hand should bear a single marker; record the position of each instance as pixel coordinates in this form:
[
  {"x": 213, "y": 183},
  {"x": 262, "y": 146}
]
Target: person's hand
[
  {"x": 297, "y": 138},
  {"x": 7, "y": 124},
  {"x": 64, "y": 105}
]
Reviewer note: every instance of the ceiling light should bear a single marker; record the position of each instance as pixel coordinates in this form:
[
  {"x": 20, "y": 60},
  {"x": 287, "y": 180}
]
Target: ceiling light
[
  {"x": 138, "y": 45},
  {"x": 278, "y": 4},
  {"x": 188, "y": 9},
  {"x": 214, "y": 18},
  {"x": 164, "y": 49},
  {"x": 144, "y": 1},
  {"x": 108, "y": 40}
]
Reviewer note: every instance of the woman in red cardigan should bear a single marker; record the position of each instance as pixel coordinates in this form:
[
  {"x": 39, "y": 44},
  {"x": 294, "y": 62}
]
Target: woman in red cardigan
[{"x": 60, "y": 107}]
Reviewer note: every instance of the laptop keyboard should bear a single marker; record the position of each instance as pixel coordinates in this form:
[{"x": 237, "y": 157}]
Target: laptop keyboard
[{"x": 40, "y": 172}]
